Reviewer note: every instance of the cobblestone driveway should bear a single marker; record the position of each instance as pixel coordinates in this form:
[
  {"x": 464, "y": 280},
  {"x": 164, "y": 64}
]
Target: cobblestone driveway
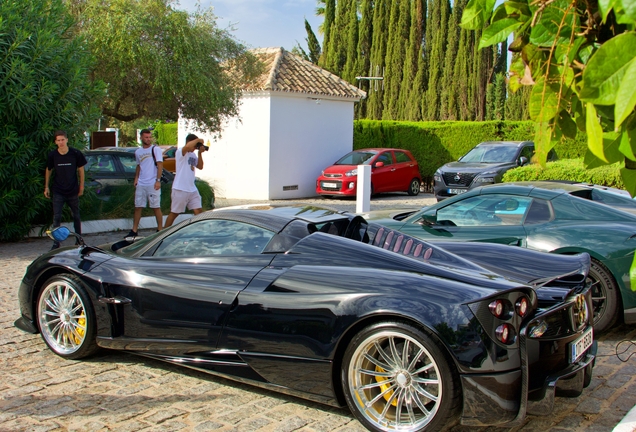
[{"x": 40, "y": 391}]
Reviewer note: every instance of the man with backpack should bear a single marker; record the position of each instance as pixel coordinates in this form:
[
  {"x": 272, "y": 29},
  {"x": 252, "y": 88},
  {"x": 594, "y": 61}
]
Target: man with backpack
[{"x": 147, "y": 181}]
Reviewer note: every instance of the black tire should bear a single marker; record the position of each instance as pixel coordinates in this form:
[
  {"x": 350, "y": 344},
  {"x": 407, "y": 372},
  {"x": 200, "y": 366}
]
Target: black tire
[
  {"x": 388, "y": 380},
  {"x": 414, "y": 187},
  {"x": 605, "y": 297},
  {"x": 66, "y": 318}
]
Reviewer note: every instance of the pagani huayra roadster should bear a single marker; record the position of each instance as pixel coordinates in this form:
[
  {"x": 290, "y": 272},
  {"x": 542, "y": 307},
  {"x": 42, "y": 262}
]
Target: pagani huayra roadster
[{"x": 323, "y": 305}]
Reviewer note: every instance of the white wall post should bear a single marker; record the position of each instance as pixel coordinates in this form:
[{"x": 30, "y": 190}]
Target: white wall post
[{"x": 363, "y": 193}]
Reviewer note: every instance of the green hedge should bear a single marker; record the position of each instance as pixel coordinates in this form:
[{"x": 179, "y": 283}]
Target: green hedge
[
  {"x": 435, "y": 143},
  {"x": 166, "y": 133},
  {"x": 568, "y": 169}
]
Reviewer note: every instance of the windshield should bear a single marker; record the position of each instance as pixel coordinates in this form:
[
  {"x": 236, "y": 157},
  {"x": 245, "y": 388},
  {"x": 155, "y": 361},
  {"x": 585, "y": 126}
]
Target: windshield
[
  {"x": 491, "y": 154},
  {"x": 357, "y": 158},
  {"x": 137, "y": 246}
]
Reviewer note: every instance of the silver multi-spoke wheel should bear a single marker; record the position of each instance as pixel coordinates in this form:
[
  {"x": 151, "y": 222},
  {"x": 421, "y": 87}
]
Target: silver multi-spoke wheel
[
  {"x": 64, "y": 317},
  {"x": 394, "y": 380}
]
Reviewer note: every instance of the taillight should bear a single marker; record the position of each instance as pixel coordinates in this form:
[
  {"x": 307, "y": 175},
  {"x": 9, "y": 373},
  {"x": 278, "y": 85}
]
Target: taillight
[
  {"x": 522, "y": 306},
  {"x": 500, "y": 308},
  {"x": 505, "y": 333}
]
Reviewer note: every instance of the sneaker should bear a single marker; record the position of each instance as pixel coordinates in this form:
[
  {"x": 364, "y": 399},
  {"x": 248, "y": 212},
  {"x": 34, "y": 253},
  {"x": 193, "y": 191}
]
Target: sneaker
[
  {"x": 56, "y": 245},
  {"x": 131, "y": 234}
]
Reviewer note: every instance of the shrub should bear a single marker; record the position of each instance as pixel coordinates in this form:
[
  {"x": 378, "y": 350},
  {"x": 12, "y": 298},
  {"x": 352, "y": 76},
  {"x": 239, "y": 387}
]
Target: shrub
[
  {"x": 166, "y": 133},
  {"x": 568, "y": 169},
  {"x": 45, "y": 86}
]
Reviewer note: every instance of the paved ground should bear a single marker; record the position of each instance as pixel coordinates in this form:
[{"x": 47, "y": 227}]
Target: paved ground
[{"x": 114, "y": 391}]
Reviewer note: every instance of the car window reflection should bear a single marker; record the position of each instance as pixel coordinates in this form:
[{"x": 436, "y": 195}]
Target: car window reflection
[{"x": 215, "y": 237}]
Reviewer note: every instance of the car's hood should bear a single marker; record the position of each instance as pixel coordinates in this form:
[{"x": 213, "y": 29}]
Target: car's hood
[
  {"x": 474, "y": 167},
  {"x": 339, "y": 169}
]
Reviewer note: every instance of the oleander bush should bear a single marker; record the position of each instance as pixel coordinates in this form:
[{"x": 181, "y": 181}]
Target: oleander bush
[{"x": 568, "y": 169}]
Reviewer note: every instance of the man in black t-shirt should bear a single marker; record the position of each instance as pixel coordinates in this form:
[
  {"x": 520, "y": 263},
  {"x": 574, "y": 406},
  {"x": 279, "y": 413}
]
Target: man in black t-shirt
[{"x": 68, "y": 164}]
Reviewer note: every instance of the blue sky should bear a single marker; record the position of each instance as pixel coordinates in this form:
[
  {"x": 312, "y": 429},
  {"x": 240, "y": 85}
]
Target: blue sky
[{"x": 264, "y": 23}]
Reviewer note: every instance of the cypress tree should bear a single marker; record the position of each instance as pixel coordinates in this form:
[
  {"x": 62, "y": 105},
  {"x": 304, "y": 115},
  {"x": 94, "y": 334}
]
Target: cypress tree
[
  {"x": 330, "y": 17},
  {"x": 413, "y": 110},
  {"x": 436, "y": 40},
  {"x": 410, "y": 61},
  {"x": 398, "y": 38},
  {"x": 517, "y": 104},
  {"x": 351, "y": 59},
  {"x": 363, "y": 62},
  {"x": 448, "y": 96},
  {"x": 378, "y": 53},
  {"x": 312, "y": 44}
]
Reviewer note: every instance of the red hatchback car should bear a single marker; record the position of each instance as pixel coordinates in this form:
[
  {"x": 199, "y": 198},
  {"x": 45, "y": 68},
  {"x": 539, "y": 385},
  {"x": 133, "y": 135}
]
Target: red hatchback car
[{"x": 392, "y": 170}]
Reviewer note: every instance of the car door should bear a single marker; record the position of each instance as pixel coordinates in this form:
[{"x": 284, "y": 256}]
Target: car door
[
  {"x": 404, "y": 171},
  {"x": 128, "y": 166},
  {"x": 178, "y": 294},
  {"x": 383, "y": 177},
  {"x": 494, "y": 218},
  {"x": 102, "y": 172}
]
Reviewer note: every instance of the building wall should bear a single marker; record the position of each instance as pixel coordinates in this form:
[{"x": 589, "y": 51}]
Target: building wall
[
  {"x": 278, "y": 142},
  {"x": 307, "y": 135},
  {"x": 237, "y": 165}
]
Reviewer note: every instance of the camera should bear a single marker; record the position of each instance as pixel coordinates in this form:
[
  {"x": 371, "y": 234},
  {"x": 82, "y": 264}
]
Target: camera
[{"x": 204, "y": 146}]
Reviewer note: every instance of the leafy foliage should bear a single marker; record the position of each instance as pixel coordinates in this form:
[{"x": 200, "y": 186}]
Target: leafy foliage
[
  {"x": 158, "y": 61},
  {"x": 166, "y": 133},
  {"x": 44, "y": 86},
  {"x": 579, "y": 56},
  {"x": 568, "y": 169}
]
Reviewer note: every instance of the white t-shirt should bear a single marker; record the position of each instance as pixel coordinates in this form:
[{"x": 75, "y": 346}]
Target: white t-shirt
[
  {"x": 185, "y": 166},
  {"x": 147, "y": 169}
]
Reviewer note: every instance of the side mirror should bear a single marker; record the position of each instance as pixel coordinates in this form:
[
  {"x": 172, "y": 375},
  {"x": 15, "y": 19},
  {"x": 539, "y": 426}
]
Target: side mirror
[
  {"x": 429, "y": 219},
  {"x": 378, "y": 164},
  {"x": 61, "y": 233},
  {"x": 523, "y": 160}
]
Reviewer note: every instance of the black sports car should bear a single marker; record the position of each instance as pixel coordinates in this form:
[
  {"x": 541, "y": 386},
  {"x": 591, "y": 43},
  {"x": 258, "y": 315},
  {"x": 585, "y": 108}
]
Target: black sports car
[{"x": 326, "y": 306}]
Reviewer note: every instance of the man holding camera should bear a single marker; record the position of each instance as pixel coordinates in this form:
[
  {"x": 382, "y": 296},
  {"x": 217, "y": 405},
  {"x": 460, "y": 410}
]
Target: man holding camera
[{"x": 184, "y": 191}]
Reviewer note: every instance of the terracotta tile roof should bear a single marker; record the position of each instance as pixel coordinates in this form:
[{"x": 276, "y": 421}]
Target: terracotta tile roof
[{"x": 286, "y": 72}]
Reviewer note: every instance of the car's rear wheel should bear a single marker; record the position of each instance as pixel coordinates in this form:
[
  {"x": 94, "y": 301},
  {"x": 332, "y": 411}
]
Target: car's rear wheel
[
  {"x": 414, "y": 187},
  {"x": 396, "y": 378},
  {"x": 605, "y": 296},
  {"x": 66, "y": 318}
]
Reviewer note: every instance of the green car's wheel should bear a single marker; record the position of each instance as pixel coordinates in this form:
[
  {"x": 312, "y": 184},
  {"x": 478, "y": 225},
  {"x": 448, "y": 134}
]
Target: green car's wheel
[
  {"x": 65, "y": 317},
  {"x": 396, "y": 378},
  {"x": 605, "y": 296}
]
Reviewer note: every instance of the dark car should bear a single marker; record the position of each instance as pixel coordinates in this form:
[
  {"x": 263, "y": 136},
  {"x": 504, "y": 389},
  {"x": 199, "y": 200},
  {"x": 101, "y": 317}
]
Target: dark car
[
  {"x": 108, "y": 168},
  {"x": 410, "y": 336},
  {"x": 544, "y": 216},
  {"x": 485, "y": 164},
  {"x": 392, "y": 170}
]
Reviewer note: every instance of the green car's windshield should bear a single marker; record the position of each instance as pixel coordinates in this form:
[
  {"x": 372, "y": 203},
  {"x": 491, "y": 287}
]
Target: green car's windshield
[
  {"x": 490, "y": 154},
  {"x": 356, "y": 158}
]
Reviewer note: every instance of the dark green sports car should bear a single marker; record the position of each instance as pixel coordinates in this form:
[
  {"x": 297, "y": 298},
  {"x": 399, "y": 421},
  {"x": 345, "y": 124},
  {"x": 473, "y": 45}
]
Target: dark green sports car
[{"x": 555, "y": 217}]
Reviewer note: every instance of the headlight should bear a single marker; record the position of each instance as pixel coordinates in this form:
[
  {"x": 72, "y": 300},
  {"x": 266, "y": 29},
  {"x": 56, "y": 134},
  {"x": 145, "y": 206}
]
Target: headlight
[
  {"x": 437, "y": 176},
  {"x": 353, "y": 172}
]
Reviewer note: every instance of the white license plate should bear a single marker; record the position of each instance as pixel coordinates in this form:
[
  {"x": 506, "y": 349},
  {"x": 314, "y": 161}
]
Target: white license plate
[
  {"x": 579, "y": 346},
  {"x": 329, "y": 185},
  {"x": 457, "y": 191}
]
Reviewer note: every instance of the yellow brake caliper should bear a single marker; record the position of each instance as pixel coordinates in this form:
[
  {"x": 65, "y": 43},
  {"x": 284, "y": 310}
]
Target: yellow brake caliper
[
  {"x": 384, "y": 387},
  {"x": 80, "y": 331}
]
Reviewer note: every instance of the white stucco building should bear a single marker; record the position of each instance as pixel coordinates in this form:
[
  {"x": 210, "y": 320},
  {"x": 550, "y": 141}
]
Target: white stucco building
[{"x": 294, "y": 121}]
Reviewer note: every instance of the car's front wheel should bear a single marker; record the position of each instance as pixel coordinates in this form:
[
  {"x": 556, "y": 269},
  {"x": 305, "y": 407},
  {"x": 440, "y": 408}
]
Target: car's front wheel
[
  {"x": 605, "y": 296},
  {"x": 396, "y": 378},
  {"x": 414, "y": 187},
  {"x": 66, "y": 318}
]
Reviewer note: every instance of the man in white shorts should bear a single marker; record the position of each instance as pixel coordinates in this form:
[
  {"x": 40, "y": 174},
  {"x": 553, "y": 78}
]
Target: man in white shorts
[
  {"x": 147, "y": 181},
  {"x": 184, "y": 192}
]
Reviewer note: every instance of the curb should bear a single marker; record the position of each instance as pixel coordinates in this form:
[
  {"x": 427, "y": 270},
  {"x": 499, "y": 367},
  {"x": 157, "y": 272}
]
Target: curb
[{"x": 108, "y": 225}]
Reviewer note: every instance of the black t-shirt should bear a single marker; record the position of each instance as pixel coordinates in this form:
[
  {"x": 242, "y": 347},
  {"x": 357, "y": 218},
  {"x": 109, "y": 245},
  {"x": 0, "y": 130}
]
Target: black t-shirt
[{"x": 65, "y": 181}]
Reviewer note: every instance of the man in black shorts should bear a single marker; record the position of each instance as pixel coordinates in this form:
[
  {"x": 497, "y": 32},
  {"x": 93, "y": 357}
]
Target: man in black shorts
[{"x": 68, "y": 181}]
